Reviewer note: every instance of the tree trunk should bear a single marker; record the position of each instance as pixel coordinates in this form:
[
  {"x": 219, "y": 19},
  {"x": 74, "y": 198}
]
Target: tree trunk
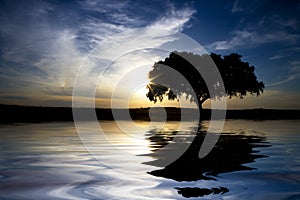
[{"x": 199, "y": 105}]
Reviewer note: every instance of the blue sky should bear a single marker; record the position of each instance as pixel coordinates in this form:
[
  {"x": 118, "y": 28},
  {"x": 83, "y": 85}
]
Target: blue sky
[{"x": 44, "y": 43}]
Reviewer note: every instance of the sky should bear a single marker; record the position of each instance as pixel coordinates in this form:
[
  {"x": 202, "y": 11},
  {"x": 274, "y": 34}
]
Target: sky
[{"x": 105, "y": 48}]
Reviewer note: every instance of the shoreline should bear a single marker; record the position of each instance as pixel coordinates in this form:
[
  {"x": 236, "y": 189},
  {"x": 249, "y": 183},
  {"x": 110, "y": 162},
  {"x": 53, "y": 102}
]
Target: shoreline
[{"x": 16, "y": 113}]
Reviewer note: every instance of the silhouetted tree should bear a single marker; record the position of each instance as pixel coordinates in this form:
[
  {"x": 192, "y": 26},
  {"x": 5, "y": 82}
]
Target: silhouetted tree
[{"x": 238, "y": 77}]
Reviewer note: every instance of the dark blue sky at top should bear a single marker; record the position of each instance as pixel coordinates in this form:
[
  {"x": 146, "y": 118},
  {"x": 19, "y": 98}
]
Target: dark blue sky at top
[
  {"x": 266, "y": 33},
  {"x": 276, "y": 24}
]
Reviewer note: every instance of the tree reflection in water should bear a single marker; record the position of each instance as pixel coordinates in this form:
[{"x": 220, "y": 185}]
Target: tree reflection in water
[{"x": 231, "y": 152}]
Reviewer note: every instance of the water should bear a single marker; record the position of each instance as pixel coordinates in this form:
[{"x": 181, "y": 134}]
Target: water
[{"x": 252, "y": 160}]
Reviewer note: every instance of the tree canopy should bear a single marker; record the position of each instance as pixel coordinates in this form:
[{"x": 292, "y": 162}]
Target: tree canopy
[{"x": 238, "y": 77}]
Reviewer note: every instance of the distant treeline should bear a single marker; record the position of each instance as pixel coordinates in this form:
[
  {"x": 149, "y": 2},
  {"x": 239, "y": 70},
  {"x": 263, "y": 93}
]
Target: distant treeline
[{"x": 13, "y": 113}]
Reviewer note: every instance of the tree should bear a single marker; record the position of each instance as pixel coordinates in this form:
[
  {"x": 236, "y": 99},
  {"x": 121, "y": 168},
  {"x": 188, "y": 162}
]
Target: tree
[{"x": 238, "y": 77}]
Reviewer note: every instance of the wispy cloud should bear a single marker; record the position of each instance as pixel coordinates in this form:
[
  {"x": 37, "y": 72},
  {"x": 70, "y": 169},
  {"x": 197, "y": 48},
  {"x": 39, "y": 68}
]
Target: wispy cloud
[
  {"x": 236, "y": 8},
  {"x": 290, "y": 23},
  {"x": 103, "y": 6},
  {"x": 292, "y": 74},
  {"x": 295, "y": 63},
  {"x": 249, "y": 38},
  {"x": 277, "y": 57},
  {"x": 288, "y": 79},
  {"x": 239, "y": 39},
  {"x": 174, "y": 19},
  {"x": 266, "y": 30}
]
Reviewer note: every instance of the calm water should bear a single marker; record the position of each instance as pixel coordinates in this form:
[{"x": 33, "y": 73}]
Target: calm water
[{"x": 252, "y": 160}]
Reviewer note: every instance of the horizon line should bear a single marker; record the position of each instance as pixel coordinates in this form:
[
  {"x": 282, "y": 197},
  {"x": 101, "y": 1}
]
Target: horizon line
[{"x": 156, "y": 107}]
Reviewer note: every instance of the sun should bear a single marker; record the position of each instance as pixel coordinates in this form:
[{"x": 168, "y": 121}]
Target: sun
[{"x": 141, "y": 92}]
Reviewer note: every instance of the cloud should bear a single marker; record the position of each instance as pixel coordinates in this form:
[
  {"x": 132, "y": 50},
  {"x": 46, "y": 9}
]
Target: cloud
[
  {"x": 289, "y": 78},
  {"x": 155, "y": 34},
  {"x": 293, "y": 73},
  {"x": 249, "y": 38},
  {"x": 266, "y": 30},
  {"x": 239, "y": 39},
  {"x": 295, "y": 63},
  {"x": 286, "y": 23},
  {"x": 174, "y": 19},
  {"x": 103, "y": 6},
  {"x": 277, "y": 57},
  {"x": 235, "y": 8}
]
